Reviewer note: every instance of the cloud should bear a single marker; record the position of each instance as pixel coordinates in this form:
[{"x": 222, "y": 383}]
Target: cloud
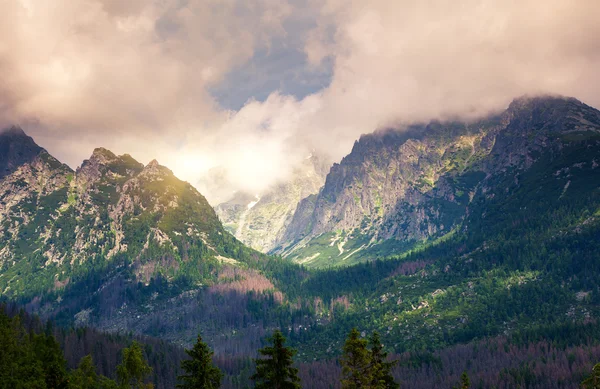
[
  {"x": 419, "y": 60},
  {"x": 140, "y": 76}
]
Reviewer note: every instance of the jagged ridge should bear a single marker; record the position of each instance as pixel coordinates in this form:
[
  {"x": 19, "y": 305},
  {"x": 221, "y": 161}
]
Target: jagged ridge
[
  {"x": 55, "y": 223},
  {"x": 399, "y": 188}
]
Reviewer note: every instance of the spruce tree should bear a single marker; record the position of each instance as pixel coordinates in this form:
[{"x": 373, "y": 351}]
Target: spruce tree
[
  {"x": 465, "y": 383},
  {"x": 20, "y": 365},
  {"x": 356, "y": 362},
  {"x": 85, "y": 376},
  {"x": 133, "y": 369},
  {"x": 276, "y": 370},
  {"x": 593, "y": 381},
  {"x": 201, "y": 373},
  {"x": 48, "y": 352},
  {"x": 381, "y": 369}
]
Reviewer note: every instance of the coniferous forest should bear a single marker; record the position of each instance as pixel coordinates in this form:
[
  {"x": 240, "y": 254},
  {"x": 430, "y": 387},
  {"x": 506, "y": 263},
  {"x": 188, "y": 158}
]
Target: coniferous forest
[{"x": 38, "y": 355}]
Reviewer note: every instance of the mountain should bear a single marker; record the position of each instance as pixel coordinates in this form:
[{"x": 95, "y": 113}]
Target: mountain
[
  {"x": 124, "y": 247},
  {"x": 56, "y": 223},
  {"x": 16, "y": 148},
  {"x": 260, "y": 220},
  {"x": 401, "y": 188},
  {"x": 520, "y": 263}
]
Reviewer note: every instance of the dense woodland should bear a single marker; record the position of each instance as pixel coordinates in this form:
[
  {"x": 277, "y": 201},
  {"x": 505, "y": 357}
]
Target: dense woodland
[{"x": 37, "y": 354}]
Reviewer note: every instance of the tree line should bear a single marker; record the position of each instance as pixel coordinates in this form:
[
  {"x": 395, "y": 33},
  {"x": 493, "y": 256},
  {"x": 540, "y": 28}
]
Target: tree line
[
  {"x": 35, "y": 360},
  {"x": 29, "y": 359}
]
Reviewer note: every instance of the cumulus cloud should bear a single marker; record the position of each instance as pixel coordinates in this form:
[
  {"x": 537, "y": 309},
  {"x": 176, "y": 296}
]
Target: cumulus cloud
[{"x": 136, "y": 76}]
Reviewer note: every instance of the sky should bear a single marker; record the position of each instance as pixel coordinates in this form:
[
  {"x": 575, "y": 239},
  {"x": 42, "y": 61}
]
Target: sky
[{"x": 231, "y": 95}]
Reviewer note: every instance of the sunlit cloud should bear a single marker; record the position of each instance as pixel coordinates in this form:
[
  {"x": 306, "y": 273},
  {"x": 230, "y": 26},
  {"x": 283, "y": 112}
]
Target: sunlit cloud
[{"x": 231, "y": 95}]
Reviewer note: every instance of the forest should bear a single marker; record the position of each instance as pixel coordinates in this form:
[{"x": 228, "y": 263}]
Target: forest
[{"x": 39, "y": 355}]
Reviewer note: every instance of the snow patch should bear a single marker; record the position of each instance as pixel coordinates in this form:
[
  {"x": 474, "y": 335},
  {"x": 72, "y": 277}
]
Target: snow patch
[
  {"x": 253, "y": 203},
  {"x": 307, "y": 259},
  {"x": 565, "y": 189}
]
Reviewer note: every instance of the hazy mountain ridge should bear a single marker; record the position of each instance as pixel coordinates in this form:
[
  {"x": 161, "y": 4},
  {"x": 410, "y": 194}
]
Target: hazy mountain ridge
[
  {"x": 399, "y": 188},
  {"x": 260, "y": 220}
]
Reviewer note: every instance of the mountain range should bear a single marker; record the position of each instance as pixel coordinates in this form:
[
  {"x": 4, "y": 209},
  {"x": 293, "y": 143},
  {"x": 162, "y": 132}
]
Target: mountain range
[
  {"x": 400, "y": 188},
  {"x": 435, "y": 234},
  {"x": 57, "y": 222}
]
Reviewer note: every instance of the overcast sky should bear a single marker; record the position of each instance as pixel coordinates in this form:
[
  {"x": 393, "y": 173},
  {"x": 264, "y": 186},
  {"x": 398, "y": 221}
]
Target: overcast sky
[{"x": 248, "y": 88}]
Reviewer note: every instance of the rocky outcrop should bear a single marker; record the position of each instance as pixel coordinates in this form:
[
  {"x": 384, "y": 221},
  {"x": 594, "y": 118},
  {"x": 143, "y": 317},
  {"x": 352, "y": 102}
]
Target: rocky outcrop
[{"x": 413, "y": 184}]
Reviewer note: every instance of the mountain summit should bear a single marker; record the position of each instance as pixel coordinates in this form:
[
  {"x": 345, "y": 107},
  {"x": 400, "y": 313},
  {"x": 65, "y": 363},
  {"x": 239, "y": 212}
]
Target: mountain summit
[{"x": 16, "y": 148}]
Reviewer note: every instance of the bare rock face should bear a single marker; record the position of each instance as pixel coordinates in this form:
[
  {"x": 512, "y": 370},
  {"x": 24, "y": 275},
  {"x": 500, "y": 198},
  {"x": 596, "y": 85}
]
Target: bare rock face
[
  {"x": 414, "y": 184},
  {"x": 16, "y": 149},
  {"x": 259, "y": 220}
]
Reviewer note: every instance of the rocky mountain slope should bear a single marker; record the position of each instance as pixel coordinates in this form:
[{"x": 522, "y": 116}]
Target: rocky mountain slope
[
  {"x": 124, "y": 247},
  {"x": 398, "y": 189},
  {"x": 56, "y": 223},
  {"x": 260, "y": 220}
]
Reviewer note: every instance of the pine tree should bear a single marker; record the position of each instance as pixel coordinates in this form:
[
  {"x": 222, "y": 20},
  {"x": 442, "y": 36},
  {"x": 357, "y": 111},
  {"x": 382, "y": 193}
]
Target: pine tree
[
  {"x": 356, "y": 362},
  {"x": 201, "y": 372},
  {"x": 593, "y": 381},
  {"x": 85, "y": 376},
  {"x": 134, "y": 368},
  {"x": 465, "y": 383},
  {"x": 49, "y": 353},
  {"x": 381, "y": 370},
  {"x": 276, "y": 371}
]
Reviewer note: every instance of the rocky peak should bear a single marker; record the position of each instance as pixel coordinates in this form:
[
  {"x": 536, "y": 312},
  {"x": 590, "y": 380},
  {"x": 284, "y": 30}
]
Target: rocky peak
[
  {"x": 102, "y": 156},
  {"x": 154, "y": 170},
  {"x": 316, "y": 162},
  {"x": 528, "y": 102},
  {"x": 551, "y": 113},
  {"x": 14, "y": 131},
  {"x": 103, "y": 162},
  {"x": 16, "y": 149}
]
